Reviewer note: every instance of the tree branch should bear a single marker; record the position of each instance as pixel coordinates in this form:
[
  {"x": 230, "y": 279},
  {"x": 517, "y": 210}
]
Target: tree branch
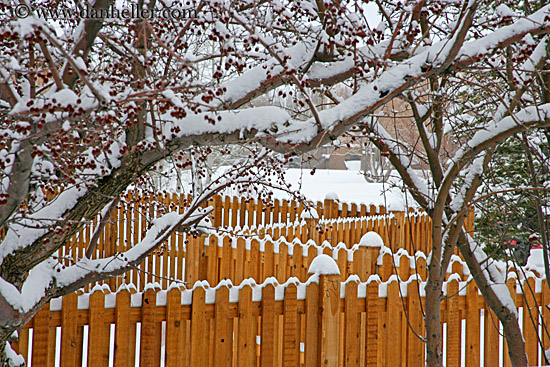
[{"x": 99, "y": 230}]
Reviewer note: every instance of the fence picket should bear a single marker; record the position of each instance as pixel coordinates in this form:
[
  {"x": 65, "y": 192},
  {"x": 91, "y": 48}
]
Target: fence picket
[
  {"x": 268, "y": 256},
  {"x": 415, "y": 346},
  {"x": 351, "y": 324},
  {"x": 545, "y": 315},
  {"x": 224, "y": 254},
  {"x": 175, "y": 346},
  {"x": 491, "y": 331},
  {"x": 285, "y": 263},
  {"x": 530, "y": 321},
  {"x": 255, "y": 260},
  {"x": 125, "y": 331},
  {"x": 223, "y": 329},
  {"x": 41, "y": 349},
  {"x": 69, "y": 340},
  {"x": 352, "y": 331},
  {"x": 246, "y": 339},
  {"x": 269, "y": 338},
  {"x": 514, "y": 296},
  {"x": 98, "y": 331},
  {"x": 453, "y": 324},
  {"x": 21, "y": 346},
  {"x": 329, "y": 312},
  {"x": 392, "y": 325},
  {"x": 150, "y": 331},
  {"x": 212, "y": 263},
  {"x": 291, "y": 328},
  {"x": 372, "y": 330},
  {"x": 199, "y": 329},
  {"x": 473, "y": 326}
]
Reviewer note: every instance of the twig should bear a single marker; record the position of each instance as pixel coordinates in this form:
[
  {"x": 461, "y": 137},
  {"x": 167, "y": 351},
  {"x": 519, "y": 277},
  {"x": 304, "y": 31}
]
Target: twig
[{"x": 101, "y": 227}]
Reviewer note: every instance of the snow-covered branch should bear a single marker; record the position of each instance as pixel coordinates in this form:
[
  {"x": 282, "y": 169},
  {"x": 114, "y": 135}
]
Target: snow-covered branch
[{"x": 47, "y": 280}]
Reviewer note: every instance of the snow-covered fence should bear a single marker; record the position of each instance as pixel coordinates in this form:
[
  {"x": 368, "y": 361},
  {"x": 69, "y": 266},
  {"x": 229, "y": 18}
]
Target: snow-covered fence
[
  {"x": 129, "y": 223},
  {"x": 340, "y": 222},
  {"x": 409, "y": 231},
  {"x": 238, "y": 211},
  {"x": 322, "y": 321},
  {"x": 221, "y": 257},
  {"x": 130, "y": 220},
  {"x": 237, "y": 258}
]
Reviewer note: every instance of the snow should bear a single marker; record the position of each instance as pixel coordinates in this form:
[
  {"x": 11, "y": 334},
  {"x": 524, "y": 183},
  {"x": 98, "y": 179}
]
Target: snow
[
  {"x": 488, "y": 43},
  {"x": 136, "y": 300},
  {"x": 536, "y": 261},
  {"x": 323, "y": 265},
  {"x": 405, "y": 161},
  {"x": 403, "y": 285},
  {"x": 16, "y": 359},
  {"x": 351, "y": 279},
  {"x": 252, "y": 79},
  {"x": 504, "y": 11},
  {"x": 453, "y": 277},
  {"x": 455, "y": 258},
  {"x": 383, "y": 251},
  {"x": 529, "y": 114},
  {"x": 262, "y": 119},
  {"x": 259, "y": 118},
  {"x": 349, "y": 186},
  {"x": 526, "y": 69},
  {"x": 371, "y": 239},
  {"x": 345, "y": 186},
  {"x": 525, "y": 117},
  {"x": 39, "y": 279},
  {"x": 19, "y": 235},
  {"x": 476, "y": 169},
  {"x": 493, "y": 277},
  {"x": 309, "y": 214}
]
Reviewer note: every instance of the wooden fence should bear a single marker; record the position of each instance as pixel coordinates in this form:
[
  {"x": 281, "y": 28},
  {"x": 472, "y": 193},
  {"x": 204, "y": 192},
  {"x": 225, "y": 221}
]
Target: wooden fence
[
  {"x": 128, "y": 225},
  {"x": 132, "y": 218},
  {"x": 232, "y": 212},
  {"x": 220, "y": 257},
  {"x": 239, "y": 212},
  {"x": 320, "y": 322},
  {"x": 409, "y": 231}
]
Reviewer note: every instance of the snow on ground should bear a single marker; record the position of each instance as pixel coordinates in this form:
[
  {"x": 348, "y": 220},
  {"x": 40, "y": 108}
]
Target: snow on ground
[{"x": 348, "y": 185}]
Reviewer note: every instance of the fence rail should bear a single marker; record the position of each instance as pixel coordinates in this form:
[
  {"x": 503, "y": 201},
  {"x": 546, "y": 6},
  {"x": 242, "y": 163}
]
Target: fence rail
[{"x": 320, "y": 322}]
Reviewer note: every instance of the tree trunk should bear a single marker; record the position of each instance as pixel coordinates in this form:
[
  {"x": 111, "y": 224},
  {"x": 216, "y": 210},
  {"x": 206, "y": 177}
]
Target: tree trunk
[{"x": 434, "y": 354}]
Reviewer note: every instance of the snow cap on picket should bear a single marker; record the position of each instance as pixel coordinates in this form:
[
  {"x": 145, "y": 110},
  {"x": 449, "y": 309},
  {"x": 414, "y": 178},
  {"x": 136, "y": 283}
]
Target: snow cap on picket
[
  {"x": 371, "y": 239},
  {"x": 324, "y": 265},
  {"x": 309, "y": 214},
  {"x": 331, "y": 196}
]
